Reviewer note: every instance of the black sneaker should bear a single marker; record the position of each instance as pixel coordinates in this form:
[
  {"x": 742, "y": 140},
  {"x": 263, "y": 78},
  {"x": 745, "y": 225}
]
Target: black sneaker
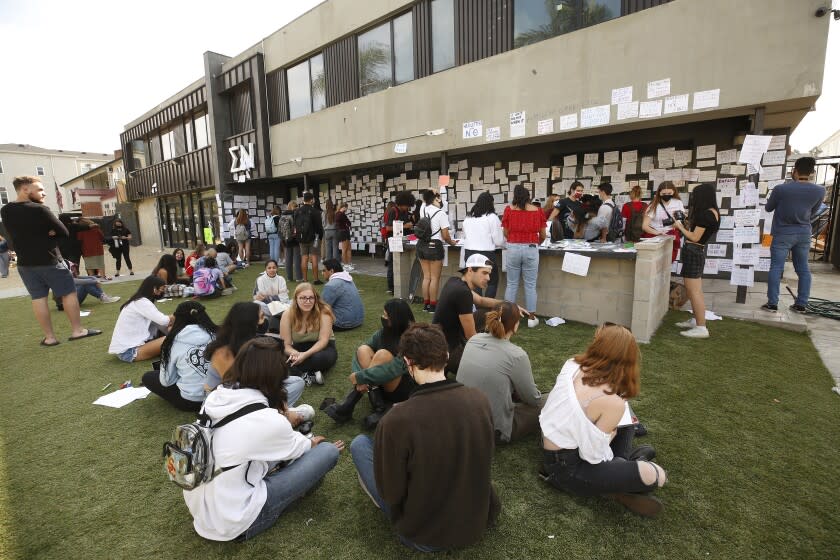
[
  {"x": 432, "y": 308},
  {"x": 798, "y": 308},
  {"x": 769, "y": 307},
  {"x": 642, "y": 504},
  {"x": 317, "y": 282},
  {"x": 642, "y": 453},
  {"x": 426, "y": 307}
]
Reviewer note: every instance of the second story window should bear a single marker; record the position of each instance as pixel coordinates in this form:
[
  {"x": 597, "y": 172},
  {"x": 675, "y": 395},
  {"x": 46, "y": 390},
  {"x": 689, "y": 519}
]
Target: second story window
[
  {"x": 39, "y": 170},
  {"x": 386, "y": 55},
  {"x": 307, "y": 87},
  {"x": 4, "y": 196},
  {"x": 202, "y": 136},
  {"x": 1, "y": 167},
  {"x": 538, "y": 20},
  {"x": 443, "y": 34}
]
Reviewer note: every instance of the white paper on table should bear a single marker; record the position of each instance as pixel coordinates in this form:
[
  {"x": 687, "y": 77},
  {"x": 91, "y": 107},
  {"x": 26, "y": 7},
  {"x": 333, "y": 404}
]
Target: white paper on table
[
  {"x": 122, "y": 397},
  {"x": 742, "y": 276},
  {"x": 395, "y": 244},
  {"x": 716, "y": 249},
  {"x": 753, "y": 148},
  {"x": 622, "y": 95},
  {"x": 595, "y": 116},
  {"x": 707, "y": 99},
  {"x": 576, "y": 264},
  {"x": 659, "y": 88},
  {"x": 648, "y": 109}
]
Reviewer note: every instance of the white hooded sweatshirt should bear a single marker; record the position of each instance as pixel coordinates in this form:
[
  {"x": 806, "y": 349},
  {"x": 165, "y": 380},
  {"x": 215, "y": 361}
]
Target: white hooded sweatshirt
[{"x": 226, "y": 506}]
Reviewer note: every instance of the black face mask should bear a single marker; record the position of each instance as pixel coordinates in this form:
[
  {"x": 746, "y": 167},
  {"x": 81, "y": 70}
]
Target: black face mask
[
  {"x": 666, "y": 197},
  {"x": 262, "y": 328},
  {"x": 385, "y": 323}
]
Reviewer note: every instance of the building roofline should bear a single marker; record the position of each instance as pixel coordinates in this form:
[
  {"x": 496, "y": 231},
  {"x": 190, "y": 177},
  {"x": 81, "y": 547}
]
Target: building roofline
[{"x": 88, "y": 173}]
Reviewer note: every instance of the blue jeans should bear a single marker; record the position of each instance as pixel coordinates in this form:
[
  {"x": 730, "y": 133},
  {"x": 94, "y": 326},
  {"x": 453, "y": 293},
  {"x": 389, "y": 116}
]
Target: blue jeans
[
  {"x": 293, "y": 263},
  {"x": 274, "y": 247},
  {"x": 523, "y": 260},
  {"x": 87, "y": 285},
  {"x": 798, "y": 244},
  {"x": 291, "y": 483},
  {"x": 362, "y": 451},
  {"x": 331, "y": 245}
]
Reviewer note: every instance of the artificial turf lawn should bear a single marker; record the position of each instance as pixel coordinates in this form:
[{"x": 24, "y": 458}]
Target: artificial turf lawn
[{"x": 744, "y": 423}]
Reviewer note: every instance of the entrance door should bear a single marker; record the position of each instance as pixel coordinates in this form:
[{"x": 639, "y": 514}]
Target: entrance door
[
  {"x": 175, "y": 223},
  {"x": 210, "y": 220}
]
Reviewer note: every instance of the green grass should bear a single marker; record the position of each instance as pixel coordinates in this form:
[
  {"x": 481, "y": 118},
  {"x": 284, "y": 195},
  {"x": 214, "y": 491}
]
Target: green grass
[{"x": 743, "y": 422}]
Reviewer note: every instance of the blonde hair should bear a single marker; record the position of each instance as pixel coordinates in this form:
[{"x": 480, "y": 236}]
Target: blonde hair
[
  {"x": 25, "y": 181},
  {"x": 636, "y": 193},
  {"x": 311, "y": 321}
]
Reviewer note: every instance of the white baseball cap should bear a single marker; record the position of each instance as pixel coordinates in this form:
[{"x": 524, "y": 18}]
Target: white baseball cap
[{"x": 477, "y": 260}]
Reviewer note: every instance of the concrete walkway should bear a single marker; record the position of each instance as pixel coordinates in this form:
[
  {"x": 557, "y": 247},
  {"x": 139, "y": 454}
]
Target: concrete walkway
[{"x": 720, "y": 298}]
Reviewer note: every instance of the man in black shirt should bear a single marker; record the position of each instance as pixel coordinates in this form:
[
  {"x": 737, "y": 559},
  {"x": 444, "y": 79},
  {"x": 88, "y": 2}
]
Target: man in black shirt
[
  {"x": 456, "y": 309},
  {"x": 34, "y": 231}
]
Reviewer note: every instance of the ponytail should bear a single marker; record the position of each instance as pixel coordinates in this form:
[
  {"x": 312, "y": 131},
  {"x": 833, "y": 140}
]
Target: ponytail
[{"x": 502, "y": 320}]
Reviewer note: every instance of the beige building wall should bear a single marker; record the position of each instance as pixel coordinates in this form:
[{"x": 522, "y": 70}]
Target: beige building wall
[
  {"x": 57, "y": 169},
  {"x": 147, "y": 216},
  {"x": 758, "y": 52}
]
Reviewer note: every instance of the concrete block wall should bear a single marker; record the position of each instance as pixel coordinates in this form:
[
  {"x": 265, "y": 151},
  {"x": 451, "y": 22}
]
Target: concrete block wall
[{"x": 651, "y": 286}]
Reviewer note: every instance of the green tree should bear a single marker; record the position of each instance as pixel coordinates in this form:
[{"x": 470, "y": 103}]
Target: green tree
[
  {"x": 564, "y": 16},
  {"x": 374, "y": 68}
]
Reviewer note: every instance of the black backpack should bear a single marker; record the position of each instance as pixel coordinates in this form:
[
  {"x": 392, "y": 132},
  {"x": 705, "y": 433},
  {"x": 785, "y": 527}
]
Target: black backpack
[
  {"x": 423, "y": 228},
  {"x": 616, "y": 228},
  {"x": 634, "y": 224},
  {"x": 303, "y": 224}
]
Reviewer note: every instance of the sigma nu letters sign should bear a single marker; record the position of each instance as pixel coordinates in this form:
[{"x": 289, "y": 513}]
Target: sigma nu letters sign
[{"x": 241, "y": 162}]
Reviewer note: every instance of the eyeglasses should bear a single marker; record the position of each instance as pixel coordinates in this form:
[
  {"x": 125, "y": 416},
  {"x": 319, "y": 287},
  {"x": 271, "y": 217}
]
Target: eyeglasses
[{"x": 306, "y": 298}]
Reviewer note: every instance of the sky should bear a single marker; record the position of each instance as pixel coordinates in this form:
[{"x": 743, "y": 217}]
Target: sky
[{"x": 96, "y": 65}]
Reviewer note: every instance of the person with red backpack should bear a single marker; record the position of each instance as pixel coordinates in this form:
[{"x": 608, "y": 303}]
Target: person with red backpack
[{"x": 403, "y": 203}]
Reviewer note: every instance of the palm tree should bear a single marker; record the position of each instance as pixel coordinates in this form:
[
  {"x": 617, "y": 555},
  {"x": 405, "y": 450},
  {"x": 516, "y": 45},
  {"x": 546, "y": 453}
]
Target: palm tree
[
  {"x": 374, "y": 68},
  {"x": 564, "y": 16}
]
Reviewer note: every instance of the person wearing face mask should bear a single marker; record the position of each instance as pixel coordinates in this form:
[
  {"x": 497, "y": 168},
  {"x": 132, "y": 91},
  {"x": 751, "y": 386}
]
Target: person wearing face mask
[
  {"x": 378, "y": 369},
  {"x": 566, "y": 206},
  {"x": 140, "y": 328},
  {"x": 342, "y": 226},
  {"x": 428, "y": 466},
  {"x": 665, "y": 208}
]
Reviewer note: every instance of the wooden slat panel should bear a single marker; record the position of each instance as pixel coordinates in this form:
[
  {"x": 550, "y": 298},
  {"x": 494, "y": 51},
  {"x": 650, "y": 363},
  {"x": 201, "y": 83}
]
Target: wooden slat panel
[
  {"x": 422, "y": 19},
  {"x": 342, "y": 72},
  {"x": 484, "y": 28}
]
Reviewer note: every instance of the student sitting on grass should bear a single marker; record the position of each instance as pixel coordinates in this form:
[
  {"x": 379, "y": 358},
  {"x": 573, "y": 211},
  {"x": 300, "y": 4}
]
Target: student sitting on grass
[
  {"x": 270, "y": 465},
  {"x": 428, "y": 465},
  {"x": 269, "y": 287},
  {"x": 183, "y": 368},
  {"x": 167, "y": 270},
  {"x": 140, "y": 328},
  {"x": 306, "y": 330},
  {"x": 189, "y": 263},
  {"x": 208, "y": 280},
  {"x": 377, "y": 368},
  {"x": 85, "y": 286},
  {"x": 502, "y": 371},
  {"x": 243, "y": 322},
  {"x": 585, "y": 449},
  {"x": 341, "y": 294}
]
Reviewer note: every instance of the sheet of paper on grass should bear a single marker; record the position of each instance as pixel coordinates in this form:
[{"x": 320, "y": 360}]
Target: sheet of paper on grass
[
  {"x": 122, "y": 397},
  {"x": 576, "y": 264}
]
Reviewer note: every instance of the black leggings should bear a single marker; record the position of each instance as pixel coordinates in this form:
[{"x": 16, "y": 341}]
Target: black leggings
[
  {"x": 123, "y": 249},
  {"x": 568, "y": 472},
  {"x": 172, "y": 395},
  {"x": 319, "y": 361}
]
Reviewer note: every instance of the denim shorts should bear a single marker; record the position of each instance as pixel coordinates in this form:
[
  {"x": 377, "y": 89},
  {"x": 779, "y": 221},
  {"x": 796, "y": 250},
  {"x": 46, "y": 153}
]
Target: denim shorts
[
  {"x": 39, "y": 280},
  {"x": 129, "y": 355}
]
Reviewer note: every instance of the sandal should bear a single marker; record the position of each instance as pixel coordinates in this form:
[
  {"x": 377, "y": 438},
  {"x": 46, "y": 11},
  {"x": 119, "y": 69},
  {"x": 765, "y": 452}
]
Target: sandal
[
  {"x": 90, "y": 332},
  {"x": 44, "y": 343}
]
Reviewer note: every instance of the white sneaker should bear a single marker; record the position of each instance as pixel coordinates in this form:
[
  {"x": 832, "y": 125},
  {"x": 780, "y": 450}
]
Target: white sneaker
[
  {"x": 227, "y": 291},
  {"x": 687, "y": 324},
  {"x": 305, "y": 412},
  {"x": 319, "y": 377},
  {"x": 349, "y": 268},
  {"x": 109, "y": 299},
  {"x": 696, "y": 332}
]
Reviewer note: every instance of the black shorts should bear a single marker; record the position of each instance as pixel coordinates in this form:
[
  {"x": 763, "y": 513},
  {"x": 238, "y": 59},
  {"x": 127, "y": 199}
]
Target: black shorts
[
  {"x": 343, "y": 235},
  {"x": 430, "y": 250},
  {"x": 693, "y": 257}
]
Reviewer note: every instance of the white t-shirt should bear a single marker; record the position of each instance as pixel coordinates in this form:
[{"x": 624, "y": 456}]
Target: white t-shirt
[
  {"x": 656, "y": 219},
  {"x": 438, "y": 218},
  {"x": 483, "y": 234},
  {"x": 134, "y": 325}
]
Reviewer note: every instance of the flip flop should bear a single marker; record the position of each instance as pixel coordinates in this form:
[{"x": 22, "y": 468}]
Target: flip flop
[
  {"x": 44, "y": 343},
  {"x": 90, "y": 332}
]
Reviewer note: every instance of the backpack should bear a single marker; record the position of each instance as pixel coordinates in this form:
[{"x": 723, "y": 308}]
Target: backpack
[
  {"x": 287, "y": 227},
  {"x": 270, "y": 226},
  {"x": 203, "y": 282},
  {"x": 303, "y": 224},
  {"x": 423, "y": 229},
  {"x": 616, "y": 228},
  {"x": 634, "y": 224},
  {"x": 241, "y": 233},
  {"x": 383, "y": 228},
  {"x": 188, "y": 458}
]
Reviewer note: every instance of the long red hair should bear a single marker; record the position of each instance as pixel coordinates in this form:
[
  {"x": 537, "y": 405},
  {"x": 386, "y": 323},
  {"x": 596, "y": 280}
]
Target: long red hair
[{"x": 612, "y": 359}]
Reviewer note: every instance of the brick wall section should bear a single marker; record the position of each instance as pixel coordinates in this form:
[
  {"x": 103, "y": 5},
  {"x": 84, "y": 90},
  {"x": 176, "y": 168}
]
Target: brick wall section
[{"x": 618, "y": 290}]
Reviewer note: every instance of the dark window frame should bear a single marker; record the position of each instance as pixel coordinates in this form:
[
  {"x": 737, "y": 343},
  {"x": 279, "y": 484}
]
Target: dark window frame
[
  {"x": 432, "y": 37},
  {"x": 390, "y": 23},
  {"x": 308, "y": 61}
]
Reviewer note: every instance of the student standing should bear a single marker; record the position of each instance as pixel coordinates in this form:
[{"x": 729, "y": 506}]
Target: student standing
[
  {"x": 793, "y": 205},
  {"x": 431, "y": 252},
  {"x": 121, "y": 236},
  {"x": 633, "y": 214},
  {"x": 34, "y": 231},
  {"x": 483, "y": 235},
  {"x": 564, "y": 208},
  {"x": 342, "y": 224},
  {"x": 399, "y": 212},
  {"x": 330, "y": 232},
  {"x": 274, "y": 236},
  {"x": 291, "y": 243},
  {"x": 660, "y": 215},
  {"x": 428, "y": 466},
  {"x": 93, "y": 248},
  {"x": 309, "y": 231},
  {"x": 524, "y": 228}
]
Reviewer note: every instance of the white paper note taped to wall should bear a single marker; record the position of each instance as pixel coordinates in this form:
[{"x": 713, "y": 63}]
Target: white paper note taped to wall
[
  {"x": 629, "y": 110},
  {"x": 493, "y": 134},
  {"x": 741, "y": 276},
  {"x": 576, "y": 264},
  {"x": 517, "y": 124},
  {"x": 622, "y": 95},
  {"x": 567, "y": 122},
  {"x": 545, "y": 126},
  {"x": 395, "y": 244},
  {"x": 706, "y": 99},
  {"x": 650, "y": 109},
  {"x": 659, "y": 88},
  {"x": 676, "y": 104},
  {"x": 595, "y": 116}
]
